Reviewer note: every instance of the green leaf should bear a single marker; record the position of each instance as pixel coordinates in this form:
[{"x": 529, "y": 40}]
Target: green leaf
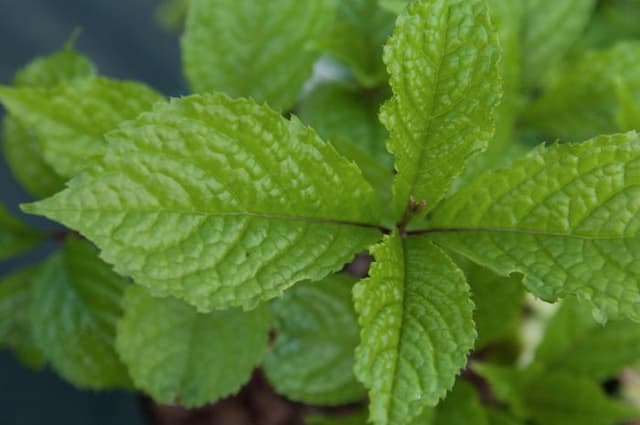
[
  {"x": 15, "y": 323},
  {"x": 613, "y": 21},
  {"x": 395, "y": 6},
  {"x": 15, "y": 236},
  {"x": 220, "y": 202},
  {"x": 488, "y": 291},
  {"x": 566, "y": 217},
  {"x": 312, "y": 358},
  {"x": 264, "y": 49},
  {"x": 461, "y": 407},
  {"x": 358, "y": 418},
  {"x": 561, "y": 399},
  {"x": 581, "y": 100},
  {"x": 416, "y": 317},
  {"x": 628, "y": 115},
  {"x": 550, "y": 28},
  {"x": 178, "y": 355},
  {"x": 70, "y": 119},
  {"x": 21, "y": 146},
  {"x": 576, "y": 344},
  {"x": 75, "y": 303},
  {"x": 443, "y": 60},
  {"x": 499, "y": 417},
  {"x": 357, "y": 37},
  {"x": 348, "y": 118},
  {"x": 172, "y": 14}
]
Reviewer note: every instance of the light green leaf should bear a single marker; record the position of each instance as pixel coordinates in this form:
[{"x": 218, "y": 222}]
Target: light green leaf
[
  {"x": 575, "y": 343},
  {"x": 21, "y": 146},
  {"x": 317, "y": 333},
  {"x": 178, "y": 355},
  {"x": 561, "y": 399},
  {"x": 15, "y": 236},
  {"x": 75, "y": 303},
  {"x": 395, "y": 6},
  {"x": 566, "y": 216},
  {"x": 416, "y": 317},
  {"x": 461, "y": 407},
  {"x": 220, "y": 202},
  {"x": 443, "y": 60},
  {"x": 614, "y": 20},
  {"x": 550, "y": 28},
  {"x": 357, "y": 37},
  {"x": 581, "y": 100},
  {"x": 15, "y": 323},
  {"x": 358, "y": 418},
  {"x": 498, "y": 300},
  {"x": 263, "y": 49},
  {"x": 70, "y": 119}
]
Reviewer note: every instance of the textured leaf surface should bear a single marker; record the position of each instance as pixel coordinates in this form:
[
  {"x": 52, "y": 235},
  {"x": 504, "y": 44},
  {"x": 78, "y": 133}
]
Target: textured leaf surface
[
  {"x": 581, "y": 100},
  {"x": 21, "y": 146},
  {"x": 357, "y": 37},
  {"x": 566, "y": 216},
  {"x": 75, "y": 304},
  {"x": 15, "y": 236},
  {"x": 245, "y": 48},
  {"x": 576, "y": 344},
  {"x": 550, "y": 28},
  {"x": 443, "y": 61},
  {"x": 71, "y": 119},
  {"x": 416, "y": 317},
  {"x": 220, "y": 202},
  {"x": 15, "y": 323},
  {"x": 178, "y": 355},
  {"x": 317, "y": 333},
  {"x": 498, "y": 301},
  {"x": 348, "y": 118}
]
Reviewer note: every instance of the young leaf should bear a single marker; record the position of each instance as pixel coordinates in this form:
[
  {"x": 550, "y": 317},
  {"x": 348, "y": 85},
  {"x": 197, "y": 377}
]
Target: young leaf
[
  {"x": 262, "y": 49},
  {"x": 75, "y": 303},
  {"x": 357, "y": 37},
  {"x": 566, "y": 217},
  {"x": 576, "y": 344},
  {"x": 550, "y": 28},
  {"x": 312, "y": 358},
  {"x": 15, "y": 236},
  {"x": 15, "y": 323},
  {"x": 21, "y": 146},
  {"x": 416, "y": 317},
  {"x": 70, "y": 119},
  {"x": 220, "y": 202},
  {"x": 443, "y": 61},
  {"x": 581, "y": 100},
  {"x": 178, "y": 355}
]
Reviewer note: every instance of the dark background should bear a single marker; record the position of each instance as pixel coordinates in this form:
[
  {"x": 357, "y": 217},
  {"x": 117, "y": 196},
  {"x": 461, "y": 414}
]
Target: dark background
[{"x": 124, "y": 40}]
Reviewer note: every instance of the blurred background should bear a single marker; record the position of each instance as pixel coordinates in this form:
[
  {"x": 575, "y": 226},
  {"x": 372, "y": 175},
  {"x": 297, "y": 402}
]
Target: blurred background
[{"x": 125, "y": 41}]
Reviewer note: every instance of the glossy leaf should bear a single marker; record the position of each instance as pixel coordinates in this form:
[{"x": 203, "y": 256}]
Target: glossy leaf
[
  {"x": 220, "y": 202},
  {"x": 566, "y": 217},
  {"x": 71, "y": 119},
  {"x": 443, "y": 60},
  {"x": 178, "y": 355},
  {"x": 416, "y": 317},
  {"x": 263, "y": 50},
  {"x": 312, "y": 358},
  {"x": 75, "y": 304}
]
